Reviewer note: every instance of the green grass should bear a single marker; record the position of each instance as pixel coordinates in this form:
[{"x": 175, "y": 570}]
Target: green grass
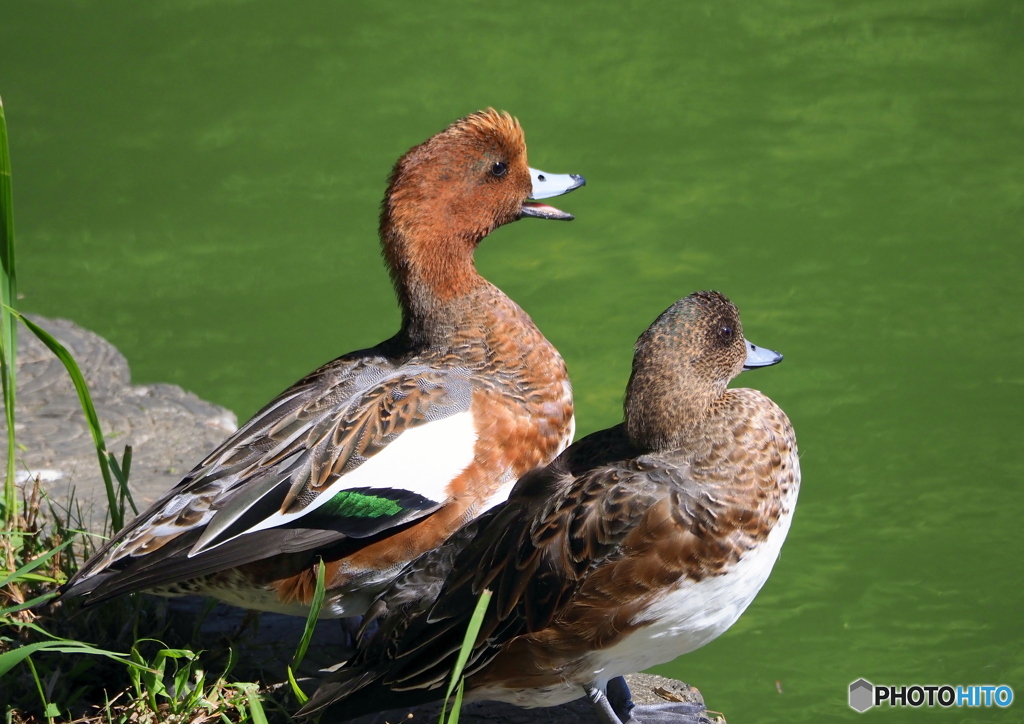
[
  {"x": 457, "y": 682},
  {"x": 129, "y": 660},
  {"x": 8, "y": 328}
]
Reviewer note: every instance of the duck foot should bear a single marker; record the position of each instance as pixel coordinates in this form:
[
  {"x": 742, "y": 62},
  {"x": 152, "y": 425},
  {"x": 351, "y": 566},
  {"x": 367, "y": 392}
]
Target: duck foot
[
  {"x": 603, "y": 707},
  {"x": 670, "y": 713},
  {"x": 615, "y": 705},
  {"x": 620, "y": 698}
]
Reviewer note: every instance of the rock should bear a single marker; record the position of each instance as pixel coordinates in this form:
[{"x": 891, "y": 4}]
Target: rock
[{"x": 169, "y": 429}]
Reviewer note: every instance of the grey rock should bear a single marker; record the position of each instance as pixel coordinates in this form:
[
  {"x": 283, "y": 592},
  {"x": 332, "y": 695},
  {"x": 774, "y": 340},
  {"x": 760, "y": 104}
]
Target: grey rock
[{"x": 169, "y": 429}]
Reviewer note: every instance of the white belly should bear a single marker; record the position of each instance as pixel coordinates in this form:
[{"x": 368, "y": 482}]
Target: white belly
[
  {"x": 694, "y": 613},
  {"x": 684, "y": 619}
]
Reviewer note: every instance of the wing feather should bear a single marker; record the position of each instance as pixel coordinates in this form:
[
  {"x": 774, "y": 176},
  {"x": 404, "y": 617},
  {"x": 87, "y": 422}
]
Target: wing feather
[{"x": 299, "y": 450}]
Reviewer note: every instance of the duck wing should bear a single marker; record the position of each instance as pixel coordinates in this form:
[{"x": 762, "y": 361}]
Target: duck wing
[
  {"x": 536, "y": 556},
  {"x": 357, "y": 447},
  {"x": 534, "y": 552}
]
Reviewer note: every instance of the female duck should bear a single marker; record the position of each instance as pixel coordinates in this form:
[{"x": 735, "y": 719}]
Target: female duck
[
  {"x": 639, "y": 543},
  {"x": 379, "y": 455}
]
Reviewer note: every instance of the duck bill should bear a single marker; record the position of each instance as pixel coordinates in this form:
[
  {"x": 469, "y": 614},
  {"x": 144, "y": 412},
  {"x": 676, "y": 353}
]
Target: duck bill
[
  {"x": 760, "y": 357},
  {"x": 543, "y": 211},
  {"x": 546, "y": 186}
]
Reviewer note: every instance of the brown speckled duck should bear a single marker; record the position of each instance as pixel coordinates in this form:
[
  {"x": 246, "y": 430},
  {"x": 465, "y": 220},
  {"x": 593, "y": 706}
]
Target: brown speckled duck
[
  {"x": 381, "y": 454},
  {"x": 640, "y": 543}
]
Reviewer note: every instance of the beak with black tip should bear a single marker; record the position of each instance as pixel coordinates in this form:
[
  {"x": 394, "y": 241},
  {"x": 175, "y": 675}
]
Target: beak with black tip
[
  {"x": 546, "y": 186},
  {"x": 760, "y": 357}
]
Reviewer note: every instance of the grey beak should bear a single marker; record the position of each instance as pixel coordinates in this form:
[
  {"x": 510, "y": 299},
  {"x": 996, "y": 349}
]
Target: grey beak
[
  {"x": 760, "y": 357},
  {"x": 548, "y": 185}
]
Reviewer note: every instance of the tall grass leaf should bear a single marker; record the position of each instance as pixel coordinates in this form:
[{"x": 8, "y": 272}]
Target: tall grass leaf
[
  {"x": 232, "y": 661},
  {"x": 475, "y": 622},
  {"x": 314, "y": 615},
  {"x": 85, "y": 399},
  {"x": 456, "y": 712},
  {"x": 28, "y": 604},
  {"x": 47, "y": 706},
  {"x": 135, "y": 672},
  {"x": 8, "y": 327},
  {"x": 300, "y": 695},
  {"x": 252, "y": 696},
  {"x": 9, "y": 659},
  {"x": 153, "y": 681},
  {"x": 121, "y": 472},
  {"x": 33, "y": 564}
]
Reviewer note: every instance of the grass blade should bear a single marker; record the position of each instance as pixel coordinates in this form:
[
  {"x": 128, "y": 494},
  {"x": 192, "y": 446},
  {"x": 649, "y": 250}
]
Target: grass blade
[
  {"x": 47, "y": 706},
  {"x": 8, "y": 327},
  {"x": 28, "y": 604},
  {"x": 252, "y": 695},
  {"x": 33, "y": 564},
  {"x": 307, "y": 633},
  {"x": 300, "y": 695},
  {"x": 467, "y": 648},
  {"x": 314, "y": 615},
  {"x": 453, "y": 715},
  {"x": 121, "y": 472},
  {"x": 9, "y": 659},
  {"x": 116, "y": 512}
]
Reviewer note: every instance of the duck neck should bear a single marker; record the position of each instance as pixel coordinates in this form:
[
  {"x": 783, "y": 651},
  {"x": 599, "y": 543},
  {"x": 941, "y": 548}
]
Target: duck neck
[
  {"x": 434, "y": 277},
  {"x": 660, "y": 417}
]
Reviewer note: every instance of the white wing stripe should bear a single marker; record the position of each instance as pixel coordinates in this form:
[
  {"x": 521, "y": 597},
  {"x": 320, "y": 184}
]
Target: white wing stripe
[{"x": 423, "y": 460}]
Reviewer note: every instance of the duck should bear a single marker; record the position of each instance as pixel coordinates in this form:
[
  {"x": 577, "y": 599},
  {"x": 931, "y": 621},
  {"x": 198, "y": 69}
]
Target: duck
[
  {"x": 379, "y": 455},
  {"x": 638, "y": 544}
]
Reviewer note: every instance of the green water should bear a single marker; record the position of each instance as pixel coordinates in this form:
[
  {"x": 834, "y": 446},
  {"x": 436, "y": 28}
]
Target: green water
[{"x": 199, "y": 183}]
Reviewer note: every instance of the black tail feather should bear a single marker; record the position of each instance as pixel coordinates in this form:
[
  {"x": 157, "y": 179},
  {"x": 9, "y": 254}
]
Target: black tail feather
[{"x": 171, "y": 564}]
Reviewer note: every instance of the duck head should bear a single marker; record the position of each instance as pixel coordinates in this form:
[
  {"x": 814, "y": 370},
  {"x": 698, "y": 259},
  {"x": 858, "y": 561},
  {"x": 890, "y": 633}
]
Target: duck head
[
  {"x": 682, "y": 365},
  {"x": 446, "y": 194}
]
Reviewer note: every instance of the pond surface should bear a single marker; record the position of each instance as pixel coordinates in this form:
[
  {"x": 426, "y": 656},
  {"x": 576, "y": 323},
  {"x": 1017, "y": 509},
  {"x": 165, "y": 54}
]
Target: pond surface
[{"x": 199, "y": 183}]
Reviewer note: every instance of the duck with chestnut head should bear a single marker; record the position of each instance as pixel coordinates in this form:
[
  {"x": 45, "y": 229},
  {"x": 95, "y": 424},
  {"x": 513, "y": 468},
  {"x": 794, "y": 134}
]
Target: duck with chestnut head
[{"x": 379, "y": 455}]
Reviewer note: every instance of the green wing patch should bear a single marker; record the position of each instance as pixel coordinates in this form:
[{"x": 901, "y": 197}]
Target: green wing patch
[
  {"x": 362, "y": 512},
  {"x": 351, "y": 504}
]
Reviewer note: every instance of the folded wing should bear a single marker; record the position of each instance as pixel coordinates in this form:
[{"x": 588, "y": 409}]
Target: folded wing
[{"x": 352, "y": 450}]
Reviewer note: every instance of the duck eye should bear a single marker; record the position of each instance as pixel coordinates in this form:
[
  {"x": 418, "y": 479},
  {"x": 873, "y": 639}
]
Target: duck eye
[
  {"x": 725, "y": 332},
  {"x": 499, "y": 169}
]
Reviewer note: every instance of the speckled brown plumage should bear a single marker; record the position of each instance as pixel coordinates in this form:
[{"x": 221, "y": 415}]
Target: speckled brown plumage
[
  {"x": 592, "y": 552},
  {"x": 247, "y": 525}
]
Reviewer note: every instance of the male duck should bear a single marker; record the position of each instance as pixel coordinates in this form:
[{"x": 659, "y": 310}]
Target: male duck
[
  {"x": 639, "y": 543},
  {"x": 381, "y": 454}
]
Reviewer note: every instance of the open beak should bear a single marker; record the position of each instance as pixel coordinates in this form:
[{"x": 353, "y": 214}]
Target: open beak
[
  {"x": 545, "y": 186},
  {"x": 760, "y": 357}
]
